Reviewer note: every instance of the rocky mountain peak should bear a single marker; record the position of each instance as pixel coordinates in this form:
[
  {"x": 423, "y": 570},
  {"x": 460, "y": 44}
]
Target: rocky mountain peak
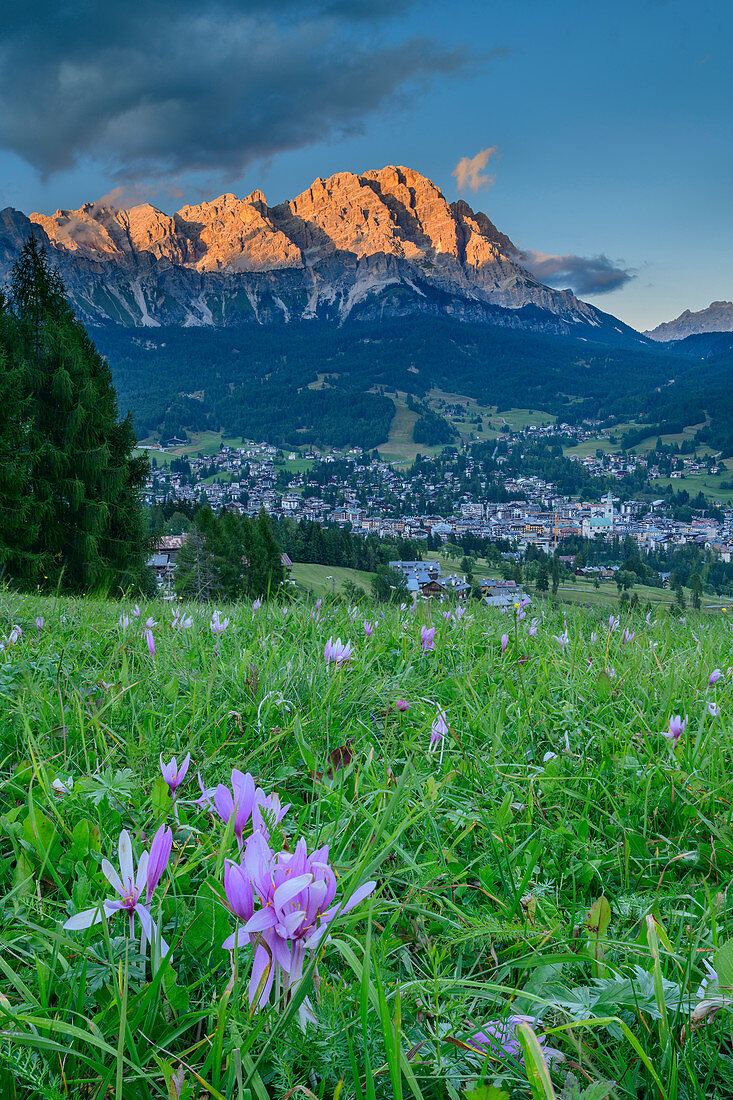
[
  {"x": 385, "y": 242},
  {"x": 717, "y": 317}
]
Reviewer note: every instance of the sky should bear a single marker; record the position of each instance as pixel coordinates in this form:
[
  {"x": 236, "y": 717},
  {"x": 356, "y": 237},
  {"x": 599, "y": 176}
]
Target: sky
[{"x": 595, "y": 133}]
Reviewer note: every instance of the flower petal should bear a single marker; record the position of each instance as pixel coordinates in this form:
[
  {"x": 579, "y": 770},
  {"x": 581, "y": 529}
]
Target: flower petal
[
  {"x": 262, "y": 920},
  {"x": 85, "y": 919},
  {"x": 290, "y": 889},
  {"x": 127, "y": 868},
  {"x": 113, "y": 878},
  {"x": 142, "y": 874},
  {"x": 239, "y": 937}
]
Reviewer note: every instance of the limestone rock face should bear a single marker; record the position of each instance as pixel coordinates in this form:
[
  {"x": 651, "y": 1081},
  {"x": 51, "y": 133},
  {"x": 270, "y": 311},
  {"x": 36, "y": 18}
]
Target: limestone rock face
[
  {"x": 231, "y": 234},
  {"x": 382, "y": 244}
]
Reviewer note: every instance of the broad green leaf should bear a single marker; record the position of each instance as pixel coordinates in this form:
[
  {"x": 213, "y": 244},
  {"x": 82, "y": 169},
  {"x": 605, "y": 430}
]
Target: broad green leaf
[{"x": 723, "y": 964}]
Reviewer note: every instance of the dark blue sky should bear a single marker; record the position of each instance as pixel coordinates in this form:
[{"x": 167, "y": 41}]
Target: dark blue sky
[{"x": 611, "y": 122}]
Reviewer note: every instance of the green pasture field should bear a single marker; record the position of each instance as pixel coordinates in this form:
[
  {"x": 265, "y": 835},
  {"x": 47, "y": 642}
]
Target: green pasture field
[{"x": 314, "y": 578}]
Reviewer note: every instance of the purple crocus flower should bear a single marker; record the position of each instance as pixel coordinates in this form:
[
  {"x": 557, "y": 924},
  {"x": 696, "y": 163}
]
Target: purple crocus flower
[
  {"x": 499, "y": 1040},
  {"x": 713, "y": 709},
  {"x": 714, "y": 677},
  {"x": 292, "y": 897},
  {"x": 218, "y": 626},
  {"x": 237, "y": 802},
  {"x": 319, "y": 601},
  {"x": 339, "y": 652},
  {"x": 39, "y": 623},
  {"x": 427, "y": 637},
  {"x": 267, "y": 812},
  {"x": 562, "y": 639},
  {"x": 532, "y": 629},
  {"x": 677, "y": 726},
  {"x": 16, "y": 633},
  {"x": 124, "y": 622},
  {"x": 627, "y": 636},
  {"x": 612, "y": 622},
  {"x": 160, "y": 854},
  {"x": 136, "y": 611},
  {"x": 130, "y": 886},
  {"x": 593, "y": 637},
  {"x": 504, "y": 643},
  {"x": 238, "y": 889},
  {"x": 368, "y": 628},
  {"x": 206, "y": 802},
  {"x": 256, "y": 604},
  {"x": 438, "y": 729},
  {"x": 148, "y": 636},
  {"x": 172, "y": 774}
]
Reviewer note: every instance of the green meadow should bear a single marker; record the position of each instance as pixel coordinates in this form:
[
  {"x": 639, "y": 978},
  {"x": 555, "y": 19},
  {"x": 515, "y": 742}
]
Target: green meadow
[{"x": 485, "y": 862}]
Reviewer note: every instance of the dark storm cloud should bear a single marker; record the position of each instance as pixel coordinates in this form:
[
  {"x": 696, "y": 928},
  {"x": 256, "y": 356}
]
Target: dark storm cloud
[
  {"x": 583, "y": 274},
  {"x": 163, "y": 86}
]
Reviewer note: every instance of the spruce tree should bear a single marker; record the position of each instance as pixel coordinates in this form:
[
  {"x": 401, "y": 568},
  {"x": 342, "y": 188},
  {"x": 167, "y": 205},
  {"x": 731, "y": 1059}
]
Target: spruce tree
[
  {"x": 19, "y": 525},
  {"x": 196, "y": 573},
  {"x": 265, "y": 574},
  {"x": 83, "y": 481}
]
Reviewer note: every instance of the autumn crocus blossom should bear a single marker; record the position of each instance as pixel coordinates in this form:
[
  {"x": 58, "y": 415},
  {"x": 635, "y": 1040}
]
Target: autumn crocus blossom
[
  {"x": 499, "y": 1040},
  {"x": 172, "y": 774},
  {"x": 368, "y": 628},
  {"x": 714, "y": 677},
  {"x": 286, "y": 901},
  {"x": 438, "y": 729},
  {"x": 148, "y": 636},
  {"x": 130, "y": 886},
  {"x": 160, "y": 854},
  {"x": 338, "y": 652},
  {"x": 236, "y": 803},
  {"x": 677, "y": 726},
  {"x": 267, "y": 812},
  {"x": 427, "y": 637},
  {"x": 206, "y": 801},
  {"x": 504, "y": 643},
  {"x": 217, "y": 625}
]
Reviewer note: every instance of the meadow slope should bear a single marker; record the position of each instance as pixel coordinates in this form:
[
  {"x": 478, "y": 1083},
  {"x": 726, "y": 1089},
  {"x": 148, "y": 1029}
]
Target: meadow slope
[{"x": 536, "y": 854}]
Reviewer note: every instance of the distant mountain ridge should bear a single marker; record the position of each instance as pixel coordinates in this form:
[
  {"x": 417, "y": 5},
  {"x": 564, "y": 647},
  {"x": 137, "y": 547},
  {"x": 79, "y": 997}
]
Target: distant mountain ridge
[
  {"x": 717, "y": 317},
  {"x": 384, "y": 244}
]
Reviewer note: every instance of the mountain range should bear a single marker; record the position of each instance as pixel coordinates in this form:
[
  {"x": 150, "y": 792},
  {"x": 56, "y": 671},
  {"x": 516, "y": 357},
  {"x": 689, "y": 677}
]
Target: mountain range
[
  {"x": 295, "y": 322},
  {"x": 718, "y": 317},
  {"x": 384, "y": 244}
]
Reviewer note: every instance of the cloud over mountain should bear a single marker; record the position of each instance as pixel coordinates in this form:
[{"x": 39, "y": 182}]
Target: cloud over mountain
[
  {"x": 583, "y": 274},
  {"x": 166, "y": 86},
  {"x": 469, "y": 171}
]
